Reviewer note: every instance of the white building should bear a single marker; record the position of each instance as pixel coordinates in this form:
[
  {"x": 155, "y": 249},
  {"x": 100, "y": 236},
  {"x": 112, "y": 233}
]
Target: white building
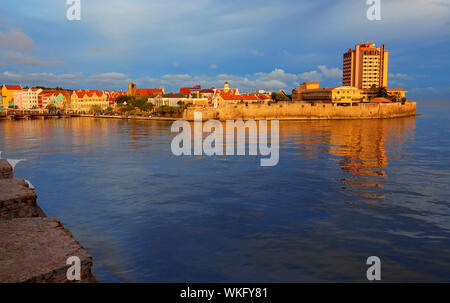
[{"x": 30, "y": 98}]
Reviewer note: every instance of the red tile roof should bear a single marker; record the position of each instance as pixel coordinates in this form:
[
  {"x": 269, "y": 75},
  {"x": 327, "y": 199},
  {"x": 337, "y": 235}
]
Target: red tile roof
[
  {"x": 250, "y": 97},
  {"x": 231, "y": 97},
  {"x": 13, "y": 87},
  {"x": 185, "y": 90},
  {"x": 380, "y": 100},
  {"x": 149, "y": 91},
  {"x": 264, "y": 97}
]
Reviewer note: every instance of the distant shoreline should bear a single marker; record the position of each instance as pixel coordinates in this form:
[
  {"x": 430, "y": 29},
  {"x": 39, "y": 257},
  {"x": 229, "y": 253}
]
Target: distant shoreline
[{"x": 282, "y": 112}]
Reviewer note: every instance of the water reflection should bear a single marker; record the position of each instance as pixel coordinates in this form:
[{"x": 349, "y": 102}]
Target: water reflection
[
  {"x": 357, "y": 146},
  {"x": 146, "y": 215}
]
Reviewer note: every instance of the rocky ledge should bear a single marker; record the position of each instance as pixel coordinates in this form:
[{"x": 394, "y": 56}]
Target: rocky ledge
[{"x": 33, "y": 247}]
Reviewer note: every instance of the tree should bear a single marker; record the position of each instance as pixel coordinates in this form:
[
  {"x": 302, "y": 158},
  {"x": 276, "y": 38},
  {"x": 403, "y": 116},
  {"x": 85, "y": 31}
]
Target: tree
[
  {"x": 51, "y": 108},
  {"x": 121, "y": 99},
  {"x": 382, "y": 92},
  {"x": 280, "y": 97}
]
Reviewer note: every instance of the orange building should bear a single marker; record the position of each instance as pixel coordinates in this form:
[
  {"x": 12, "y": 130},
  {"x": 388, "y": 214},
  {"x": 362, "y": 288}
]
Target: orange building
[
  {"x": 143, "y": 92},
  {"x": 365, "y": 66}
]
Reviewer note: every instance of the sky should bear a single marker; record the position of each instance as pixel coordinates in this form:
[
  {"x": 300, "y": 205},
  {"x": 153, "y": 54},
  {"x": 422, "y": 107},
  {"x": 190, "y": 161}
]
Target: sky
[{"x": 252, "y": 44}]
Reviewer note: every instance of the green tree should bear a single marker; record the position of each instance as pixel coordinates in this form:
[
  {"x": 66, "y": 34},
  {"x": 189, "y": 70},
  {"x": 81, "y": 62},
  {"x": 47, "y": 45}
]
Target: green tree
[
  {"x": 280, "y": 97},
  {"x": 51, "y": 108},
  {"x": 122, "y": 99},
  {"x": 382, "y": 92}
]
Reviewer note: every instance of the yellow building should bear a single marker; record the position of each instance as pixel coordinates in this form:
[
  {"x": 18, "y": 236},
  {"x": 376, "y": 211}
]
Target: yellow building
[
  {"x": 336, "y": 95},
  {"x": 312, "y": 93},
  {"x": 369, "y": 94},
  {"x": 365, "y": 66},
  {"x": 131, "y": 89},
  {"x": 8, "y": 94},
  {"x": 84, "y": 101}
]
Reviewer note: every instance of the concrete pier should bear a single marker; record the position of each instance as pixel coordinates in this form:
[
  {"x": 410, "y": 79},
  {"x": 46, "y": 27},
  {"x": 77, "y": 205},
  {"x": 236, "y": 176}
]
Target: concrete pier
[{"x": 33, "y": 247}]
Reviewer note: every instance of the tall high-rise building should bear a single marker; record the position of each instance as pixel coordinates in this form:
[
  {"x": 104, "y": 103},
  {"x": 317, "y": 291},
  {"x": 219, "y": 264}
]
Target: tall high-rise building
[{"x": 365, "y": 66}]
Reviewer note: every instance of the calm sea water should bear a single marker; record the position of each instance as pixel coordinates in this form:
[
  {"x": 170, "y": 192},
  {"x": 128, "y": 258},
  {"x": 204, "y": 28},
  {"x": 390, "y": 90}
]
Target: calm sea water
[{"x": 342, "y": 191}]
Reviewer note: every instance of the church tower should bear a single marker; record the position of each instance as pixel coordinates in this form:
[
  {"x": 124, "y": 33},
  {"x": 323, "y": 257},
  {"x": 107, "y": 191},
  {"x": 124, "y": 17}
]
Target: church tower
[
  {"x": 131, "y": 90},
  {"x": 226, "y": 87}
]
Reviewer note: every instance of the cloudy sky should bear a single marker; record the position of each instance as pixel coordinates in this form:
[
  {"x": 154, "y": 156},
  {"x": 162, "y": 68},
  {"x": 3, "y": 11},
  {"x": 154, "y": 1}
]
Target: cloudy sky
[{"x": 253, "y": 44}]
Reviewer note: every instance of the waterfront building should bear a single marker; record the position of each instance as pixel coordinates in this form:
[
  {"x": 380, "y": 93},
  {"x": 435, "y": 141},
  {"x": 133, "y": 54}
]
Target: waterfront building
[
  {"x": 61, "y": 100},
  {"x": 312, "y": 93},
  {"x": 366, "y": 65},
  {"x": 8, "y": 95},
  {"x": 262, "y": 92},
  {"x": 85, "y": 100},
  {"x": 368, "y": 94},
  {"x": 17, "y": 99},
  {"x": 46, "y": 99},
  {"x": 250, "y": 98},
  {"x": 227, "y": 90},
  {"x": 223, "y": 99},
  {"x": 30, "y": 98},
  {"x": 174, "y": 99},
  {"x": 190, "y": 90},
  {"x": 133, "y": 91},
  {"x": 185, "y": 90},
  {"x": 264, "y": 98},
  {"x": 207, "y": 93},
  {"x": 111, "y": 95}
]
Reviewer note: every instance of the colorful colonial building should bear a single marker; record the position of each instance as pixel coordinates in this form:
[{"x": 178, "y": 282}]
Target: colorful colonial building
[
  {"x": 30, "y": 98},
  {"x": 8, "y": 95},
  {"x": 85, "y": 101}
]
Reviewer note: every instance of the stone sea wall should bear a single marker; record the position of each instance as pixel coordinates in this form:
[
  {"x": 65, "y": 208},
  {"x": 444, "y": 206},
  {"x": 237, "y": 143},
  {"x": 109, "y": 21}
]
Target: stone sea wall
[
  {"x": 33, "y": 247},
  {"x": 303, "y": 111}
]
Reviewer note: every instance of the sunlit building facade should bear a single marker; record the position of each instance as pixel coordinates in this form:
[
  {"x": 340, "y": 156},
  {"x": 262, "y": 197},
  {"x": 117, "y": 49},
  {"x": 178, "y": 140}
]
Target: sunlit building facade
[{"x": 365, "y": 66}]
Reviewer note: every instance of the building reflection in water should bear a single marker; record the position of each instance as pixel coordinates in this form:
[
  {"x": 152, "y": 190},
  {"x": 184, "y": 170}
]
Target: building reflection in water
[{"x": 359, "y": 147}]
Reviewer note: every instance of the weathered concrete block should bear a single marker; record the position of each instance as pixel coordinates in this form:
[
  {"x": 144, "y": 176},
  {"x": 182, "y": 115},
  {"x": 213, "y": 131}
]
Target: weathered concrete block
[
  {"x": 17, "y": 200},
  {"x": 6, "y": 171},
  {"x": 36, "y": 250}
]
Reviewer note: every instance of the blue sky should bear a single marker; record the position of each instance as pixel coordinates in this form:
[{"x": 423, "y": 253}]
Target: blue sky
[{"x": 253, "y": 44}]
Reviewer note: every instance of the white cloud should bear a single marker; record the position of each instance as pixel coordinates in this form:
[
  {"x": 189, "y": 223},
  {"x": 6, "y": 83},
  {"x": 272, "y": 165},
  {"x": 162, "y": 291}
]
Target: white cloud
[
  {"x": 10, "y": 76},
  {"x": 400, "y": 76},
  {"x": 274, "y": 80},
  {"x": 310, "y": 76},
  {"x": 15, "y": 39},
  {"x": 213, "y": 66},
  {"x": 330, "y": 73},
  {"x": 110, "y": 79}
]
